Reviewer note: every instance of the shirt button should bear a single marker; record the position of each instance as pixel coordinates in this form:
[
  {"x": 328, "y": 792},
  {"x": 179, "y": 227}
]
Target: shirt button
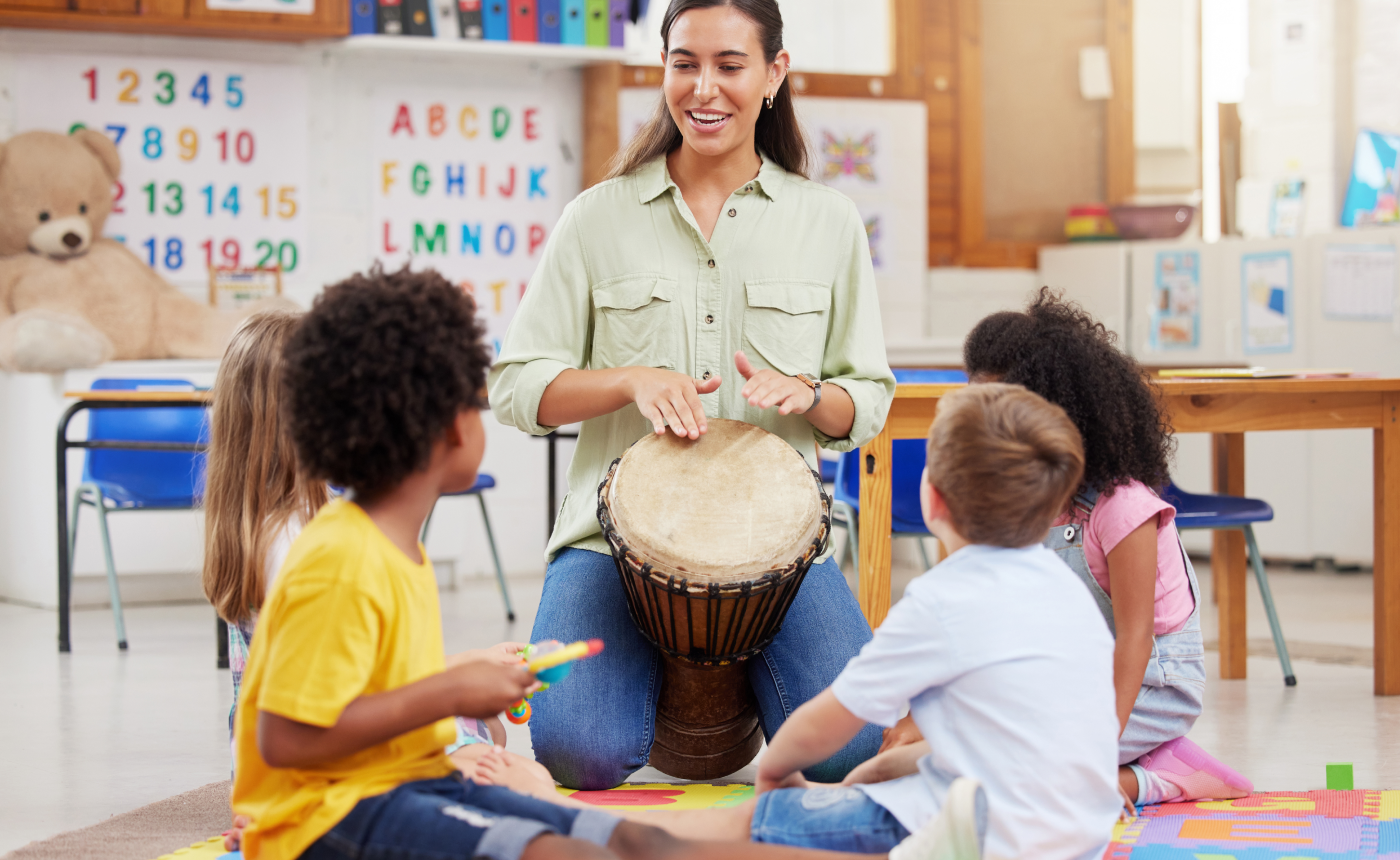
[
  {"x": 709, "y": 318},
  {"x": 711, "y": 264},
  {"x": 707, "y": 375},
  {"x": 732, "y": 213},
  {"x": 748, "y": 187}
]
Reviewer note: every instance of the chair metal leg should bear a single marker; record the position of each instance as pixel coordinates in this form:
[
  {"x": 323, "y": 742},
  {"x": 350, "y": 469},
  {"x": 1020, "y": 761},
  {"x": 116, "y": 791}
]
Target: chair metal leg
[
  {"x": 73, "y": 536},
  {"x": 423, "y": 535},
  {"x": 1262, "y": 578},
  {"x": 495, "y": 557},
  {"x": 221, "y": 642},
  {"x": 111, "y": 569},
  {"x": 923, "y": 551},
  {"x": 851, "y": 546}
]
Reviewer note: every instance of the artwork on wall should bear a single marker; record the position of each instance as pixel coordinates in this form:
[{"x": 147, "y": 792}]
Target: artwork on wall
[
  {"x": 467, "y": 182},
  {"x": 213, "y": 155},
  {"x": 846, "y": 157},
  {"x": 1176, "y": 306},
  {"x": 1374, "y": 185},
  {"x": 1358, "y": 282},
  {"x": 1266, "y": 287}
]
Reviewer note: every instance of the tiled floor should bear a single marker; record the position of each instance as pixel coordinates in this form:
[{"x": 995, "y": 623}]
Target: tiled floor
[{"x": 96, "y": 732}]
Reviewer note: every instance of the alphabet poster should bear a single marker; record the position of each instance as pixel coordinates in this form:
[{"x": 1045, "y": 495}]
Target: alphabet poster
[
  {"x": 467, "y": 182},
  {"x": 213, "y": 155}
]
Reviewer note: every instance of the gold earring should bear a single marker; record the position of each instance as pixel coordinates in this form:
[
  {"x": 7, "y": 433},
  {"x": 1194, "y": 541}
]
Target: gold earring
[{"x": 769, "y": 101}]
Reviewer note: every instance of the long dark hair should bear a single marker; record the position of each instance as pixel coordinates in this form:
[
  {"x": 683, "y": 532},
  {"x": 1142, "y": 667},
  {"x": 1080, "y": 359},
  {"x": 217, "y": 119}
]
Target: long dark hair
[
  {"x": 1056, "y": 349},
  {"x": 777, "y": 134}
]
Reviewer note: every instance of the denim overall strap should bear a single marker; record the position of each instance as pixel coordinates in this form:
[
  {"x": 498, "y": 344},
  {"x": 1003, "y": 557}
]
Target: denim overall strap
[{"x": 1068, "y": 543}]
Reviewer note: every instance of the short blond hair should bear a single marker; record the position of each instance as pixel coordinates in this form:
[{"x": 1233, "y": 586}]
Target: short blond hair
[{"x": 1005, "y": 460}]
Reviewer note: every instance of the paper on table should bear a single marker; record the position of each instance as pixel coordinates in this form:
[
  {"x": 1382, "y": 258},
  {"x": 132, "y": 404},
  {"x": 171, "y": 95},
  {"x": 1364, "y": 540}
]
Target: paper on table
[{"x": 1358, "y": 282}]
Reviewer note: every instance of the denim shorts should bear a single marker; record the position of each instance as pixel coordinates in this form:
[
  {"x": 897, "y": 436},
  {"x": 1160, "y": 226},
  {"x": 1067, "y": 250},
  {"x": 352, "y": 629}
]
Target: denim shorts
[
  {"x": 834, "y": 819},
  {"x": 452, "y": 817}
]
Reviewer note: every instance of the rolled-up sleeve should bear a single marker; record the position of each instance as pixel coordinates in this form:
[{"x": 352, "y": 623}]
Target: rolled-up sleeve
[
  {"x": 551, "y": 331},
  {"x": 855, "y": 342}
]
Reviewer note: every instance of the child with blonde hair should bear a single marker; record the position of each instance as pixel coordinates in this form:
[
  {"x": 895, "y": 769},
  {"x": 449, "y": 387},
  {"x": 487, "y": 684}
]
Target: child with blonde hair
[{"x": 256, "y": 498}]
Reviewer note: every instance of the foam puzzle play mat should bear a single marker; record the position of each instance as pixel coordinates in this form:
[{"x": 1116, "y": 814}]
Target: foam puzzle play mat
[{"x": 1274, "y": 825}]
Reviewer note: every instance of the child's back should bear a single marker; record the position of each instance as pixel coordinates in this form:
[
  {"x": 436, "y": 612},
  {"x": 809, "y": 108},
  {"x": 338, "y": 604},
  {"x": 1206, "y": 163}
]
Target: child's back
[{"x": 1004, "y": 661}]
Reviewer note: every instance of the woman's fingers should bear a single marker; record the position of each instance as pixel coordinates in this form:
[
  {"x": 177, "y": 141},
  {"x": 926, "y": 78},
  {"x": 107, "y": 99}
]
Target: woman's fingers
[
  {"x": 653, "y": 414},
  {"x": 707, "y": 386},
  {"x": 668, "y": 412},
  {"x": 697, "y": 409},
  {"x": 744, "y": 366},
  {"x": 680, "y": 405}
]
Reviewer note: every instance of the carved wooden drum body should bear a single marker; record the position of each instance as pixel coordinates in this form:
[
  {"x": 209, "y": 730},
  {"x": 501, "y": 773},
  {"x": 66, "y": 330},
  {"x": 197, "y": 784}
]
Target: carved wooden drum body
[{"x": 712, "y": 539}]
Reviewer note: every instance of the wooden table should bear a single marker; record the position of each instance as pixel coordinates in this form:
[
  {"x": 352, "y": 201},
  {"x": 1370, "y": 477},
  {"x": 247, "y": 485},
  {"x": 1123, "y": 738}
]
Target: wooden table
[
  {"x": 1227, "y": 409},
  {"x": 113, "y": 399}
]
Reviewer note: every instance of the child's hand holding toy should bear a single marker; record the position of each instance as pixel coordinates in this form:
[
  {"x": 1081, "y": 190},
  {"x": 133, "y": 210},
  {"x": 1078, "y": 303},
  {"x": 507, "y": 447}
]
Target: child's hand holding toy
[{"x": 550, "y": 662}]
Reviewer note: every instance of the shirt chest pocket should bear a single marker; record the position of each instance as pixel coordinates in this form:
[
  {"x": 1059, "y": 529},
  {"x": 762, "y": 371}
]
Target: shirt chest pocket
[
  {"x": 785, "y": 323},
  {"x": 635, "y": 323}
]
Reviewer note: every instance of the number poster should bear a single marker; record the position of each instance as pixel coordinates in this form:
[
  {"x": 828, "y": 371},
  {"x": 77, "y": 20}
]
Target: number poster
[
  {"x": 213, "y": 155},
  {"x": 467, "y": 182}
]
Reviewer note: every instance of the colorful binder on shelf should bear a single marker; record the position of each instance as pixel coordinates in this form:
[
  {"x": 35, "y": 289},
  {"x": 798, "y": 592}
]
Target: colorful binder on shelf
[
  {"x": 549, "y": 21},
  {"x": 390, "y": 21},
  {"x": 445, "y": 19},
  {"x": 617, "y": 14},
  {"x": 495, "y": 20},
  {"x": 418, "y": 18},
  {"x": 571, "y": 22},
  {"x": 524, "y": 22},
  {"x": 364, "y": 17},
  {"x": 595, "y": 23},
  {"x": 469, "y": 19}
]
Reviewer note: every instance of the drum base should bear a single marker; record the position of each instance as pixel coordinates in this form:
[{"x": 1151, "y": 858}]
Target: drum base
[{"x": 706, "y": 721}]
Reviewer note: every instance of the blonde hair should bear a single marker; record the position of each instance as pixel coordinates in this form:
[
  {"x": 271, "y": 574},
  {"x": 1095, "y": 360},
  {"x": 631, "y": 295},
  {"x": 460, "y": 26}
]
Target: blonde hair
[
  {"x": 254, "y": 484},
  {"x": 1006, "y": 461}
]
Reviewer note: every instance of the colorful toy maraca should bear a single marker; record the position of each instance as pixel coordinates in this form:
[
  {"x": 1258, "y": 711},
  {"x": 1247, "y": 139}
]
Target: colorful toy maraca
[{"x": 551, "y": 662}]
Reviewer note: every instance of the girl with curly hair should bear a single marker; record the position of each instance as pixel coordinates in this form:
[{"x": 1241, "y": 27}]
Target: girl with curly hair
[{"x": 1119, "y": 536}]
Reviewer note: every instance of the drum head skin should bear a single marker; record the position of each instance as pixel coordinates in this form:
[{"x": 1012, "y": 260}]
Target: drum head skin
[{"x": 733, "y": 504}]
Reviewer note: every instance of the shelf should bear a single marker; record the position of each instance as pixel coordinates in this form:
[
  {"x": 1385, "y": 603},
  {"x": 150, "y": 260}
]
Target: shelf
[{"x": 544, "y": 55}]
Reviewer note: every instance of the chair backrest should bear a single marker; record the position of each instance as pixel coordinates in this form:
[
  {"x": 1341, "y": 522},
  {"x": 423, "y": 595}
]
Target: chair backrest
[
  {"x": 152, "y": 477},
  {"x": 928, "y": 375},
  {"x": 909, "y": 460}
]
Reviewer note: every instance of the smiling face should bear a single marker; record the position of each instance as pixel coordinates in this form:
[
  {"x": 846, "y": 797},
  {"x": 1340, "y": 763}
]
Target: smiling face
[{"x": 717, "y": 78}]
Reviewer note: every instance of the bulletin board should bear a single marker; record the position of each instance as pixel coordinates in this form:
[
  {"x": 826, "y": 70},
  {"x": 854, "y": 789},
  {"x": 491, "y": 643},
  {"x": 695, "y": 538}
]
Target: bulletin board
[
  {"x": 467, "y": 182},
  {"x": 213, "y": 155}
]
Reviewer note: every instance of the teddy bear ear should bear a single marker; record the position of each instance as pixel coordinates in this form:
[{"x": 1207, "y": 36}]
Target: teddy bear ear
[{"x": 102, "y": 147}]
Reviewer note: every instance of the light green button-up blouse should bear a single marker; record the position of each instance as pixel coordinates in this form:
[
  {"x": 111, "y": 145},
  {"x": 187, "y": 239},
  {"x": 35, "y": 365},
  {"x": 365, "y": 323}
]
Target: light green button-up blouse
[{"x": 628, "y": 279}]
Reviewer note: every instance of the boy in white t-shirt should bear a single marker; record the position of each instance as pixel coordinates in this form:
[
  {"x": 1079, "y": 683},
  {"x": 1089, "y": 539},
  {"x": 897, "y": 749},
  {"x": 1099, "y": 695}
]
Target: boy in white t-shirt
[{"x": 999, "y": 652}]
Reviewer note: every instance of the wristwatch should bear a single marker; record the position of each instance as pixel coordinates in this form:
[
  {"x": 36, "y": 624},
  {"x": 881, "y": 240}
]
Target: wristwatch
[{"x": 815, "y": 385}]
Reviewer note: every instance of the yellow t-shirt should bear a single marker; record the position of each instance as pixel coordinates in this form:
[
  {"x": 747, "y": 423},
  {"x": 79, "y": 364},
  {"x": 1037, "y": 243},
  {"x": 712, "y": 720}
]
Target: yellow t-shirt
[{"x": 350, "y": 615}]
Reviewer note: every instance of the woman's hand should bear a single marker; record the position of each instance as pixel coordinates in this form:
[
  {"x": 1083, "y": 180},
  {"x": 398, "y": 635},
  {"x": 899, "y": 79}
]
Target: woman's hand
[
  {"x": 505, "y": 653},
  {"x": 768, "y": 388},
  {"x": 667, "y": 398}
]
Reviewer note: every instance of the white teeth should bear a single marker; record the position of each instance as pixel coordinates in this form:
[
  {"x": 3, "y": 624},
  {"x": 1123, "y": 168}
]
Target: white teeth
[{"x": 707, "y": 117}]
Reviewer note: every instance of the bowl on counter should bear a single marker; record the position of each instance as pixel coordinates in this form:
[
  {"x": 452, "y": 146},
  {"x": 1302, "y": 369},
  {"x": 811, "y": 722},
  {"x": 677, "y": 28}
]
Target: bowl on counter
[{"x": 1152, "y": 222}]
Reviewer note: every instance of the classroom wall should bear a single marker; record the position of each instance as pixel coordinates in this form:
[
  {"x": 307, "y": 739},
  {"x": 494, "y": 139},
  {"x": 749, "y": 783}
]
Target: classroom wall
[{"x": 155, "y": 551}]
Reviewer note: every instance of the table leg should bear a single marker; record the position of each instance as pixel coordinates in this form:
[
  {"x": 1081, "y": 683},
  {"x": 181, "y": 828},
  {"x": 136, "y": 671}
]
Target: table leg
[
  {"x": 875, "y": 521},
  {"x": 1227, "y": 558},
  {"x": 1386, "y": 468}
]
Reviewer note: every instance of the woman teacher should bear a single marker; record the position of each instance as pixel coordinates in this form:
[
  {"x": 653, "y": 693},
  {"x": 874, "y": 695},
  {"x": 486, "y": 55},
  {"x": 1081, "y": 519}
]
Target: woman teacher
[{"x": 701, "y": 279}]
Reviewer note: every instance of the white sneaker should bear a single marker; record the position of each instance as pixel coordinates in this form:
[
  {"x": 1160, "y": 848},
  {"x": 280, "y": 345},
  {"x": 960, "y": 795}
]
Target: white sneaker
[{"x": 957, "y": 833}]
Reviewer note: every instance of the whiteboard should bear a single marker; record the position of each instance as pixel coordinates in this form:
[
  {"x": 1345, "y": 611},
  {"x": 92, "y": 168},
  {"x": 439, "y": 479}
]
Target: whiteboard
[{"x": 213, "y": 154}]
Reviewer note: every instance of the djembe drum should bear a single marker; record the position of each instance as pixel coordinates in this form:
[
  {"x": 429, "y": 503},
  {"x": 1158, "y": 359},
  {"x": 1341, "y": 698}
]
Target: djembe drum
[{"x": 712, "y": 539}]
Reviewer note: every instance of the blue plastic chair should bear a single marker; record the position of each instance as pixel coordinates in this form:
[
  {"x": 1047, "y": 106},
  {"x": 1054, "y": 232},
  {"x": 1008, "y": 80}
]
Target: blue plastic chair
[
  {"x": 483, "y": 482},
  {"x": 1204, "y": 511},
  {"x": 116, "y": 480},
  {"x": 907, "y": 518}
]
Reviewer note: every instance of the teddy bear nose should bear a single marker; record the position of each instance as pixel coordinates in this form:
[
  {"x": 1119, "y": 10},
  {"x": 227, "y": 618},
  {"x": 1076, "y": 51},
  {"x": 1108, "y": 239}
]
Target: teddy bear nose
[{"x": 72, "y": 240}]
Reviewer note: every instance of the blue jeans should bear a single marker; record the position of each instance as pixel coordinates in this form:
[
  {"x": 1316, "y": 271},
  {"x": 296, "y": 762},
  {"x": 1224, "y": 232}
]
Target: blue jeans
[
  {"x": 440, "y": 819},
  {"x": 596, "y": 727},
  {"x": 832, "y": 819}
]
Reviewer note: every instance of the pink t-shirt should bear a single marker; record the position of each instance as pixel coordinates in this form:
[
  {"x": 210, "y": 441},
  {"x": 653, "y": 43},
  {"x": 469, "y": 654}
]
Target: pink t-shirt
[{"x": 1115, "y": 517}]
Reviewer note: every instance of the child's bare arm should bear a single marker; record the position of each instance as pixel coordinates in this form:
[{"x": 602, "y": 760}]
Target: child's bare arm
[
  {"x": 815, "y": 732},
  {"x": 1132, "y": 580},
  {"x": 476, "y": 689}
]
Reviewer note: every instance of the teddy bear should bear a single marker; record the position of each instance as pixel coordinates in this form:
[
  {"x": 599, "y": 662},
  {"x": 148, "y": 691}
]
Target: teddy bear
[{"x": 69, "y": 297}]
